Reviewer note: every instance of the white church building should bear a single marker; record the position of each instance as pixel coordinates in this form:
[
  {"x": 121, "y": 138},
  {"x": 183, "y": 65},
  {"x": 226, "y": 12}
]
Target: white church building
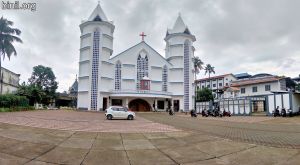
[{"x": 139, "y": 78}]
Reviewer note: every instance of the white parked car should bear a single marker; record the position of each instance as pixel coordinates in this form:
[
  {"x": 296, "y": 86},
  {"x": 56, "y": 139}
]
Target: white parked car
[{"x": 119, "y": 112}]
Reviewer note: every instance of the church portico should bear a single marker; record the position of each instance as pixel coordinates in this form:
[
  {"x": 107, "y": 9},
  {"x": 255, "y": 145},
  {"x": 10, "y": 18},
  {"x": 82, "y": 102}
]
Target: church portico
[{"x": 150, "y": 103}]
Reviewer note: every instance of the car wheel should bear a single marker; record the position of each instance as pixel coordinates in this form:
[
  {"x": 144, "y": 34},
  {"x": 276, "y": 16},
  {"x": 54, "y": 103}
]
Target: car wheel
[
  {"x": 109, "y": 117},
  {"x": 130, "y": 117}
]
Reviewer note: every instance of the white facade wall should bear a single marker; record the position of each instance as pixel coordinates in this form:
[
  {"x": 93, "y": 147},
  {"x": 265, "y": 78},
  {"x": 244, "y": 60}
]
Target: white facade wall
[{"x": 275, "y": 86}]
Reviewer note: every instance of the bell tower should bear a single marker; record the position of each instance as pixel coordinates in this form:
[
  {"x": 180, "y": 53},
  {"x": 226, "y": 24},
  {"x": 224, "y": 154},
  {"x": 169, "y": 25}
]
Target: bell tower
[
  {"x": 96, "y": 47},
  {"x": 179, "y": 52}
]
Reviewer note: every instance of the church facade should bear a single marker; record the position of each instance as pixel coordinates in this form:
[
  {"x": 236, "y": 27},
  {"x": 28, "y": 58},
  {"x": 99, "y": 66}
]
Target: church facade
[{"x": 139, "y": 77}]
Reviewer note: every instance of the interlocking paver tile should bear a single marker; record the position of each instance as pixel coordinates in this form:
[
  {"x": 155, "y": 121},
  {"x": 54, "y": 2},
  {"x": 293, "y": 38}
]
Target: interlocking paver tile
[
  {"x": 7, "y": 142},
  {"x": 222, "y": 147},
  {"x": 111, "y": 157},
  {"x": 149, "y": 157},
  {"x": 35, "y": 162},
  {"x": 139, "y": 144},
  {"x": 260, "y": 155},
  {"x": 186, "y": 154},
  {"x": 108, "y": 144},
  {"x": 167, "y": 143},
  {"x": 155, "y": 135},
  {"x": 28, "y": 150},
  {"x": 133, "y": 136},
  {"x": 77, "y": 143},
  {"x": 62, "y": 155},
  {"x": 6, "y": 159}
]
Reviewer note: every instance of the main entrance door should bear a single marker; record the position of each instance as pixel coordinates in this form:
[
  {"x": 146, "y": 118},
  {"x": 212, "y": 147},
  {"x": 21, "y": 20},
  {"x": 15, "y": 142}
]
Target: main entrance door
[
  {"x": 139, "y": 105},
  {"x": 176, "y": 105}
]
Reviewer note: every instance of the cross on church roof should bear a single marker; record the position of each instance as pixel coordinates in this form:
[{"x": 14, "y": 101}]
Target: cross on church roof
[{"x": 143, "y": 35}]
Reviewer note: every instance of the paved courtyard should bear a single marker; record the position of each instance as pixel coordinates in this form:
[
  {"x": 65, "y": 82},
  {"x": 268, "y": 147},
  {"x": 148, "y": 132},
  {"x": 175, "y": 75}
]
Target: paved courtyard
[
  {"x": 183, "y": 140},
  {"x": 81, "y": 121}
]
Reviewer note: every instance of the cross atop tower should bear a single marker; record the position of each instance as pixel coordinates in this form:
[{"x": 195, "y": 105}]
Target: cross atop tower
[{"x": 143, "y": 35}]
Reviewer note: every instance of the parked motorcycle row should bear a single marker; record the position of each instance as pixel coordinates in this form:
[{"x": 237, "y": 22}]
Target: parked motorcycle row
[
  {"x": 215, "y": 113},
  {"x": 205, "y": 113},
  {"x": 283, "y": 112}
]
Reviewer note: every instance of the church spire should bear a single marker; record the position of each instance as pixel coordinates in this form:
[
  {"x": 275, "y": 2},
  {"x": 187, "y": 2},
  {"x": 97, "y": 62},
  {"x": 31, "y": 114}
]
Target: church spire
[
  {"x": 179, "y": 26},
  {"x": 98, "y": 14}
]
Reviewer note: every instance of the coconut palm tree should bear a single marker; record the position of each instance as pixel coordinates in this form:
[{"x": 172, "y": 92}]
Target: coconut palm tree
[
  {"x": 198, "y": 65},
  {"x": 8, "y": 36},
  {"x": 209, "y": 69}
]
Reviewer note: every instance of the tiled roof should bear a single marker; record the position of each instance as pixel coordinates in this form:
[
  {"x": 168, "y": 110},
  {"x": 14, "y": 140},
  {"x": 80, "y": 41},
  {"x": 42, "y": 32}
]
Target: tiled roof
[
  {"x": 242, "y": 75},
  {"x": 233, "y": 88},
  {"x": 215, "y": 77},
  {"x": 255, "y": 81}
]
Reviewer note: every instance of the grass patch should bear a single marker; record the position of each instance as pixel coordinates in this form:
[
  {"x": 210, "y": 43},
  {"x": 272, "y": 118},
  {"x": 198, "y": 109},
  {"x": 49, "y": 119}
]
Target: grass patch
[{"x": 16, "y": 109}]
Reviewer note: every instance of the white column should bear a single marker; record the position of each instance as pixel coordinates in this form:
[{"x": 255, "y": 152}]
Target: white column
[{"x": 126, "y": 102}]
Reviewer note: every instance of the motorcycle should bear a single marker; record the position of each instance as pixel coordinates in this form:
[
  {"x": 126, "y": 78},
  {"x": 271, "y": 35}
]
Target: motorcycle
[
  {"x": 193, "y": 113},
  {"x": 204, "y": 113},
  {"x": 225, "y": 113},
  {"x": 290, "y": 112},
  {"x": 211, "y": 113},
  {"x": 276, "y": 112},
  {"x": 283, "y": 112},
  {"x": 171, "y": 112},
  {"x": 218, "y": 113}
]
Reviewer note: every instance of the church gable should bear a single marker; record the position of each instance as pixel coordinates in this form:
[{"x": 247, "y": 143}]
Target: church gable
[{"x": 130, "y": 56}]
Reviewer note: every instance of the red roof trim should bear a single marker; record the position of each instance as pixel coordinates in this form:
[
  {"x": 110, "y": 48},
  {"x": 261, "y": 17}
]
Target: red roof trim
[{"x": 255, "y": 81}]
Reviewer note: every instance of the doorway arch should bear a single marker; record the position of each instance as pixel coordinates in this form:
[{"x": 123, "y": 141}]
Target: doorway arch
[{"x": 139, "y": 105}]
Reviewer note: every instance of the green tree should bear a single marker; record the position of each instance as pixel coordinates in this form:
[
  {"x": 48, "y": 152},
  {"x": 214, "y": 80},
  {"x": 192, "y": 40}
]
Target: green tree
[
  {"x": 297, "y": 87},
  {"x": 198, "y": 65},
  {"x": 32, "y": 92},
  {"x": 43, "y": 78},
  {"x": 204, "y": 94},
  {"x": 209, "y": 69},
  {"x": 8, "y": 36}
]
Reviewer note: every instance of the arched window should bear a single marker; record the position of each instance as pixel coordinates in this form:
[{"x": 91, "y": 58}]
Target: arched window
[
  {"x": 95, "y": 66},
  {"x": 118, "y": 75},
  {"x": 186, "y": 73},
  {"x": 165, "y": 79},
  {"x": 142, "y": 69}
]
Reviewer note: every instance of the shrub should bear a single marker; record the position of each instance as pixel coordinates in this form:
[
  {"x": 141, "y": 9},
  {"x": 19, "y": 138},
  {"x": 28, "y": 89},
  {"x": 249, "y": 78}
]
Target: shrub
[{"x": 12, "y": 101}]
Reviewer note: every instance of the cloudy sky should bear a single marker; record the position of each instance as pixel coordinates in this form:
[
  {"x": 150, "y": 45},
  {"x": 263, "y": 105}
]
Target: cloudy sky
[{"x": 235, "y": 36}]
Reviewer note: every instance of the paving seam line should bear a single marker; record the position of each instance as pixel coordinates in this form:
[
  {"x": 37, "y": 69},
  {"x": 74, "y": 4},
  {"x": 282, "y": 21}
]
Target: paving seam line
[
  {"x": 218, "y": 157},
  {"x": 162, "y": 151},
  {"x": 51, "y": 148},
  {"x": 89, "y": 150},
  {"x": 125, "y": 149}
]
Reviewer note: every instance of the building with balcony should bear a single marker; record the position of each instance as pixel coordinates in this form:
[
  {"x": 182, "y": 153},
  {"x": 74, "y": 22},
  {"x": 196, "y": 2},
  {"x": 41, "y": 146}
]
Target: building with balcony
[
  {"x": 139, "y": 78},
  {"x": 216, "y": 83}
]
